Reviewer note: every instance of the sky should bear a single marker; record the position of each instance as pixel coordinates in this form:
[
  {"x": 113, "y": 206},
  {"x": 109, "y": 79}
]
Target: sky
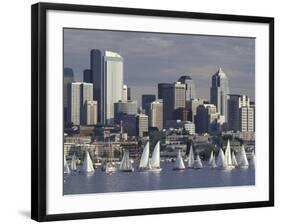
[{"x": 152, "y": 58}]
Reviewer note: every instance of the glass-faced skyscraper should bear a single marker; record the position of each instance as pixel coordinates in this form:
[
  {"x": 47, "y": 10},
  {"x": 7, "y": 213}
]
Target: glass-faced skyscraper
[
  {"x": 107, "y": 72},
  {"x": 220, "y": 93}
]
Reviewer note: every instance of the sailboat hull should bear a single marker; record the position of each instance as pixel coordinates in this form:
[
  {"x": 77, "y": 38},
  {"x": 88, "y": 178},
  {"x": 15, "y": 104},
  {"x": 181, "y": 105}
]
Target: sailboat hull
[
  {"x": 154, "y": 170},
  {"x": 178, "y": 169}
]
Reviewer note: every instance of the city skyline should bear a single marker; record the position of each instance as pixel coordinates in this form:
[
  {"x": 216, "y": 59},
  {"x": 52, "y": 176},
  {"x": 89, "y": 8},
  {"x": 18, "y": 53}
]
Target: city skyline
[{"x": 234, "y": 55}]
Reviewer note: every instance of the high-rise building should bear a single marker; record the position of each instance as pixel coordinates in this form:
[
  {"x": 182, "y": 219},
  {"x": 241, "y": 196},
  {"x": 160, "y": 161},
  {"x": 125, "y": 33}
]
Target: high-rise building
[
  {"x": 142, "y": 125},
  {"x": 87, "y": 76},
  {"x": 146, "y": 99},
  {"x": 207, "y": 120},
  {"x": 125, "y": 93},
  {"x": 129, "y": 124},
  {"x": 173, "y": 96},
  {"x": 68, "y": 77},
  {"x": 189, "y": 87},
  {"x": 78, "y": 93},
  {"x": 91, "y": 109},
  {"x": 193, "y": 107},
  {"x": 220, "y": 92},
  {"x": 235, "y": 103},
  {"x": 246, "y": 119},
  {"x": 129, "y": 93},
  {"x": 155, "y": 114},
  {"x": 107, "y": 72},
  {"x": 122, "y": 108}
]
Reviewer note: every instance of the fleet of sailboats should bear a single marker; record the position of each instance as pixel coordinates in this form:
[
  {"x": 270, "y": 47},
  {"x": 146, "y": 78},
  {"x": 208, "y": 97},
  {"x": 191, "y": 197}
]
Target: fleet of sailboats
[{"x": 226, "y": 160}]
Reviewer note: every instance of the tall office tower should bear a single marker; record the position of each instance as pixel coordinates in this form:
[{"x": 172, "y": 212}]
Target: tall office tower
[
  {"x": 235, "y": 103},
  {"x": 155, "y": 114},
  {"x": 129, "y": 124},
  {"x": 220, "y": 92},
  {"x": 193, "y": 107},
  {"x": 107, "y": 76},
  {"x": 207, "y": 120},
  {"x": 121, "y": 108},
  {"x": 246, "y": 119},
  {"x": 146, "y": 99},
  {"x": 68, "y": 77},
  {"x": 87, "y": 76},
  {"x": 78, "y": 94},
  {"x": 142, "y": 125},
  {"x": 173, "y": 96},
  {"x": 189, "y": 87},
  {"x": 125, "y": 93},
  {"x": 129, "y": 93},
  {"x": 181, "y": 114},
  {"x": 91, "y": 109}
]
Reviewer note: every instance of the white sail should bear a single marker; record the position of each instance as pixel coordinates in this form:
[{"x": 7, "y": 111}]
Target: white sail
[
  {"x": 190, "y": 158},
  {"x": 213, "y": 163},
  {"x": 144, "y": 157},
  {"x": 243, "y": 161},
  {"x": 234, "y": 160},
  {"x": 179, "y": 164},
  {"x": 211, "y": 158},
  {"x": 66, "y": 169},
  {"x": 87, "y": 164},
  {"x": 73, "y": 162},
  {"x": 221, "y": 162},
  {"x": 253, "y": 159},
  {"x": 126, "y": 164},
  {"x": 197, "y": 163},
  {"x": 227, "y": 155},
  {"x": 155, "y": 160}
]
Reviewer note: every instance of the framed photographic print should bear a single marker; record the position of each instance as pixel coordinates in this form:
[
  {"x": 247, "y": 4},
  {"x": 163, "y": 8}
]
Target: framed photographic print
[{"x": 138, "y": 111}]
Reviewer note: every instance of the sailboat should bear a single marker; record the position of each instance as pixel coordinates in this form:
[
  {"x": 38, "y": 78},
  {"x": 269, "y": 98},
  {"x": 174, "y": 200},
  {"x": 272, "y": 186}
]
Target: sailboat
[
  {"x": 144, "y": 161},
  {"x": 227, "y": 156},
  {"x": 253, "y": 160},
  {"x": 211, "y": 158},
  {"x": 213, "y": 164},
  {"x": 155, "y": 159},
  {"x": 126, "y": 164},
  {"x": 73, "y": 163},
  {"x": 87, "y": 164},
  {"x": 197, "y": 163},
  {"x": 66, "y": 169},
  {"x": 243, "y": 161},
  {"x": 179, "y": 164},
  {"x": 234, "y": 160},
  {"x": 221, "y": 161},
  {"x": 190, "y": 162}
]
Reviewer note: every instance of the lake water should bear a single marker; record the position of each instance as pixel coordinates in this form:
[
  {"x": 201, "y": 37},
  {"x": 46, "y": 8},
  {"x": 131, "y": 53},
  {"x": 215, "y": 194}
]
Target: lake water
[{"x": 100, "y": 182}]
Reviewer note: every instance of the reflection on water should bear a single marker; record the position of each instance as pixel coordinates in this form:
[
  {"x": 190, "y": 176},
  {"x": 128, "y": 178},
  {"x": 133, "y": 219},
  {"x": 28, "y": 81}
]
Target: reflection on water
[{"x": 99, "y": 182}]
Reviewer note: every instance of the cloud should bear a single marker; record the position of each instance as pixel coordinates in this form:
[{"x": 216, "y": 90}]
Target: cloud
[{"x": 151, "y": 58}]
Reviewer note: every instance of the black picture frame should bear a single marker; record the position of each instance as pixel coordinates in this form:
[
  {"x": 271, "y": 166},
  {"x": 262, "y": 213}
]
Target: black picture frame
[{"x": 39, "y": 115}]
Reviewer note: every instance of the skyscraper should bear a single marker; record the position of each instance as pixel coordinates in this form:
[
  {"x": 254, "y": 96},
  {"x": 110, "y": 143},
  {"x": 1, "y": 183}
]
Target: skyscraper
[
  {"x": 220, "y": 92},
  {"x": 189, "y": 87},
  {"x": 78, "y": 94},
  {"x": 142, "y": 125},
  {"x": 91, "y": 116},
  {"x": 193, "y": 107},
  {"x": 155, "y": 114},
  {"x": 240, "y": 113},
  {"x": 146, "y": 99},
  {"x": 207, "y": 120},
  {"x": 173, "y": 96},
  {"x": 68, "y": 77},
  {"x": 125, "y": 93},
  {"x": 107, "y": 72},
  {"x": 121, "y": 108},
  {"x": 87, "y": 76}
]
